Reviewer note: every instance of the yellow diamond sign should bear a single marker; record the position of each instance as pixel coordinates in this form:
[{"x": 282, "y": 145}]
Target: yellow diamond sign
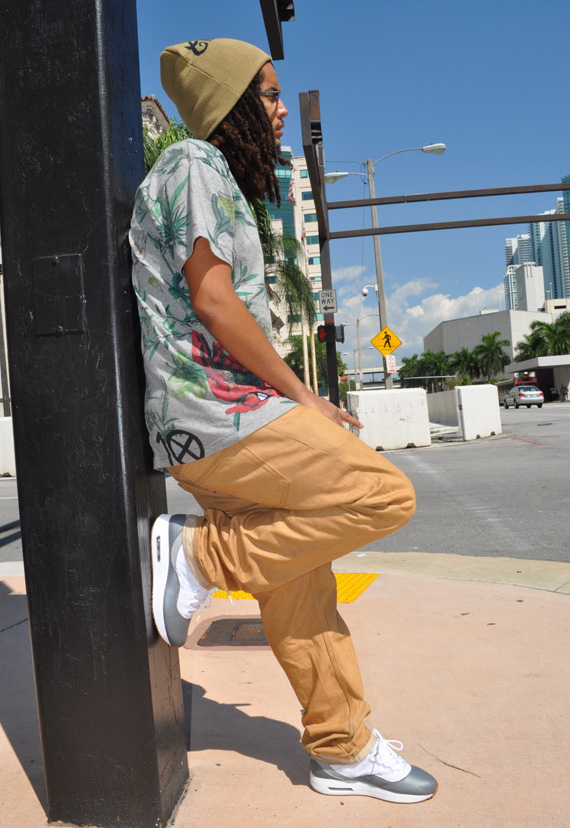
[{"x": 386, "y": 341}]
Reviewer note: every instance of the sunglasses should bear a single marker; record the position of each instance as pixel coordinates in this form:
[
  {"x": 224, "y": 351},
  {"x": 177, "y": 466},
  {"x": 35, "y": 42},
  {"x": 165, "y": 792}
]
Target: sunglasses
[{"x": 275, "y": 94}]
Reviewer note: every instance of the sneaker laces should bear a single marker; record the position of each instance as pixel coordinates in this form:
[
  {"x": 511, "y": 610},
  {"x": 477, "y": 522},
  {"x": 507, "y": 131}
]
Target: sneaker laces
[
  {"x": 207, "y": 602},
  {"x": 383, "y": 755}
]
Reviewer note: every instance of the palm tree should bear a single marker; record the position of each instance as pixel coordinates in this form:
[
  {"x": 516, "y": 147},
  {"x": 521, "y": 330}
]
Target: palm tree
[
  {"x": 490, "y": 355},
  {"x": 464, "y": 363},
  {"x": 409, "y": 369},
  {"x": 546, "y": 339},
  {"x": 294, "y": 359},
  {"x": 435, "y": 364}
]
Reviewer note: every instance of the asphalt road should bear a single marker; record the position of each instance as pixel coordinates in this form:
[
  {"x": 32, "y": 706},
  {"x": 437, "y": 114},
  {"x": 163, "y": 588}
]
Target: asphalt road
[
  {"x": 507, "y": 495},
  {"x": 501, "y": 496}
]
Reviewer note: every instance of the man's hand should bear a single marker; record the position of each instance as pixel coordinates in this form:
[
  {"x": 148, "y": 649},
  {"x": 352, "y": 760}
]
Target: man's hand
[{"x": 337, "y": 415}]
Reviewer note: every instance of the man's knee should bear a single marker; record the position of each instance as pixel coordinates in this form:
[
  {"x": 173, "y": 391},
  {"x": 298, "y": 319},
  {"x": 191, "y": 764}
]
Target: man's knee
[{"x": 395, "y": 501}]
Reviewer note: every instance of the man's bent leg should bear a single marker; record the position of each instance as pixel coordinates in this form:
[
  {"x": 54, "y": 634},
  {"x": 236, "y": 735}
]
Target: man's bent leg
[{"x": 288, "y": 499}]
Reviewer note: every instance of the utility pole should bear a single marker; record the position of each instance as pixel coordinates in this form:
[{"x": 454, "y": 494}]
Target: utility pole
[
  {"x": 108, "y": 689},
  {"x": 382, "y": 317}
]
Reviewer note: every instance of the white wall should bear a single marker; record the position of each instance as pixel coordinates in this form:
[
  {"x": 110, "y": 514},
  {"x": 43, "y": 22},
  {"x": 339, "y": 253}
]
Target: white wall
[
  {"x": 478, "y": 409},
  {"x": 442, "y": 408},
  {"x": 392, "y": 419},
  {"x": 7, "y": 457}
]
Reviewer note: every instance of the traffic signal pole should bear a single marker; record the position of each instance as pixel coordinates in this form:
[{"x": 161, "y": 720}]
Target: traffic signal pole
[
  {"x": 313, "y": 149},
  {"x": 108, "y": 690}
]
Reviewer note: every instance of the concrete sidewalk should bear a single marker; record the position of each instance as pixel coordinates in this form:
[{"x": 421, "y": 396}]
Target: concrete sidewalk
[{"x": 465, "y": 660}]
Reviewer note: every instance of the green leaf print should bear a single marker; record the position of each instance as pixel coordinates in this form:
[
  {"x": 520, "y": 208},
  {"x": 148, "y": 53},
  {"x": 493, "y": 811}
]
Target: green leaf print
[
  {"x": 190, "y": 378},
  {"x": 174, "y": 219},
  {"x": 224, "y": 212},
  {"x": 178, "y": 288}
]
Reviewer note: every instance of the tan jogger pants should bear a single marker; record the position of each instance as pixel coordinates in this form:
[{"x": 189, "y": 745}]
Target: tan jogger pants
[{"x": 279, "y": 506}]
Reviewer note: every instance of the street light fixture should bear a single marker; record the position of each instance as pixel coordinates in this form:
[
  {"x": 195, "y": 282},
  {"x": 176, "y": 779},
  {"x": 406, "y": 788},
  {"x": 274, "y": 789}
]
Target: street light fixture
[{"x": 331, "y": 178}]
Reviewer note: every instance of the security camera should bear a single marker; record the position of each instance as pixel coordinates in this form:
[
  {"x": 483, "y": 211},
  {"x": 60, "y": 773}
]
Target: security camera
[{"x": 364, "y": 291}]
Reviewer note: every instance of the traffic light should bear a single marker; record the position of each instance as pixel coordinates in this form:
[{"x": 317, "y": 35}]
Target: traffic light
[
  {"x": 339, "y": 333},
  {"x": 326, "y": 333}
]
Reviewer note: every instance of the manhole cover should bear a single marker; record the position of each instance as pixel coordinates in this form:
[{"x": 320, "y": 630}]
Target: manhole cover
[{"x": 234, "y": 632}]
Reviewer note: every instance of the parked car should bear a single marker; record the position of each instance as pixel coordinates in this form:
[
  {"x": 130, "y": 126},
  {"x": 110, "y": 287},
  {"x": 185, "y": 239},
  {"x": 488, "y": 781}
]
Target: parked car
[{"x": 524, "y": 395}]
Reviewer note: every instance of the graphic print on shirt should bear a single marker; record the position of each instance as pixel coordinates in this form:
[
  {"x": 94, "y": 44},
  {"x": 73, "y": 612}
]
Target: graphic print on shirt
[{"x": 249, "y": 394}]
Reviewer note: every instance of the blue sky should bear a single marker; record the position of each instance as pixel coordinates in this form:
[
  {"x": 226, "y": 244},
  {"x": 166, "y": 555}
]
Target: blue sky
[{"x": 487, "y": 78}]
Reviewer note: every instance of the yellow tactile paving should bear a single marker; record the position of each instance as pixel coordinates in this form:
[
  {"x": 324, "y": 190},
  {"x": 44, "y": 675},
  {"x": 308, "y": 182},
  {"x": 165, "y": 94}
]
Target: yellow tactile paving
[{"x": 349, "y": 585}]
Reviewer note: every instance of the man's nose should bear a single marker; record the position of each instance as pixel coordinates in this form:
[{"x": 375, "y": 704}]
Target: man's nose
[{"x": 282, "y": 110}]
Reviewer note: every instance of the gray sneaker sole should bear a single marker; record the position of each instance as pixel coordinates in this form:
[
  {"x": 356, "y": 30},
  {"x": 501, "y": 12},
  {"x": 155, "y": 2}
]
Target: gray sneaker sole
[
  {"x": 172, "y": 627},
  {"x": 417, "y": 786}
]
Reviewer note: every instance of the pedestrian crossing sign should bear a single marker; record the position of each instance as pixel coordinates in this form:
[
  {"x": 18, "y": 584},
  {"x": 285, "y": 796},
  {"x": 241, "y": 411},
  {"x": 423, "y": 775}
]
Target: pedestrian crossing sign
[{"x": 386, "y": 341}]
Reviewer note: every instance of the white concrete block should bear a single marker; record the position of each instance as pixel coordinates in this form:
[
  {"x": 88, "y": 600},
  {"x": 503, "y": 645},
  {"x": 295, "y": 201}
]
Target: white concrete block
[
  {"x": 392, "y": 419},
  {"x": 442, "y": 408},
  {"x": 478, "y": 411},
  {"x": 7, "y": 456}
]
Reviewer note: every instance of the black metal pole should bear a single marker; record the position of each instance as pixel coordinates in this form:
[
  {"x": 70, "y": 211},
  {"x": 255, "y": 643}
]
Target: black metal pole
[
  {"x": 109, "y": 695},
  {"x": 313, "y": 149}
]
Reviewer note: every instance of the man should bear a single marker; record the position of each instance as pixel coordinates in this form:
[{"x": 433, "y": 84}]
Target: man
[{"x": 284, "y": 487}]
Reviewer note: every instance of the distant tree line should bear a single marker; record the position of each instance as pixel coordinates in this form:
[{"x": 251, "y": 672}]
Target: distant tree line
[{"x": 488, "y": 358}]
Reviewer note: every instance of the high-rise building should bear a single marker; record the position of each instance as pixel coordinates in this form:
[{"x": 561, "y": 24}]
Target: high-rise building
[
  {"x": 295, "y": 217},
  {"x": 565, "y": 237},
  {"x": 518, "y": 250},
  {"x": 510, "y": 285},
  {"x": 530, "y": 287},
  {"x": 550, "y": 250}
]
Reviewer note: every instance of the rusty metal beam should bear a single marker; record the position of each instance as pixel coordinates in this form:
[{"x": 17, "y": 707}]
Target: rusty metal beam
[
  {"x": 417, "y": 197},
  {"x": 447, "y": 225}
]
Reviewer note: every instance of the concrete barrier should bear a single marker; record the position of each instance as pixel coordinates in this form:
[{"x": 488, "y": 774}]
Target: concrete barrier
[
  {"x": 7, "y": 456},
  {"x": 392, "y": 419},
  {"x": 478, "y": 410},
  {"x": 442, "y": 408}
]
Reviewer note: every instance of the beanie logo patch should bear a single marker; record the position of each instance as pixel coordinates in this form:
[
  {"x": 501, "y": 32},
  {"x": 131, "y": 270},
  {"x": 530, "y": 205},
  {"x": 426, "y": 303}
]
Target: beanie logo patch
[{"x": 198, "y": 46}]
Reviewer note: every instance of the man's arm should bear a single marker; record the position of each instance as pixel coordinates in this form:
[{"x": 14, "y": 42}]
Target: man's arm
[{"x": 232, "y": 325}]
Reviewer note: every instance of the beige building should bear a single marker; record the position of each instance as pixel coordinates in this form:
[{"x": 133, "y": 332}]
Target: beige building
[{"x": 454, "y": 334}]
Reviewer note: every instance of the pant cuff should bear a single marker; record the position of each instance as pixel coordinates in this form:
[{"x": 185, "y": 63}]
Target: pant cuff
[{"x": 346, "y": 759}]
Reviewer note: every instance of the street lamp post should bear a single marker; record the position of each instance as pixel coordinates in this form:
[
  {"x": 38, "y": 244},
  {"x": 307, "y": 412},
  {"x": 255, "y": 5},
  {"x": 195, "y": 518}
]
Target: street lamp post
[{"x": 330, "y": 178}]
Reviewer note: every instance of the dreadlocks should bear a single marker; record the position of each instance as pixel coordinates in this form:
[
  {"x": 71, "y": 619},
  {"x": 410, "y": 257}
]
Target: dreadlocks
[{"x": 246, "y": 139}]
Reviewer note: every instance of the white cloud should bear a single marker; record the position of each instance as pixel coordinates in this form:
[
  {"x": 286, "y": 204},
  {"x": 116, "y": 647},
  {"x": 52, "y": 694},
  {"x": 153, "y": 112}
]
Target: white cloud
[
  {"x": 410, "y": 320},
  {"x": 347, "y": 274}
]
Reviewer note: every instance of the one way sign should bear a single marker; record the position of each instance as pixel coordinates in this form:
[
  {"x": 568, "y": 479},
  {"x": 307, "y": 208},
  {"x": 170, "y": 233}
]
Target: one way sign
[{"x": 327, "y": 298}]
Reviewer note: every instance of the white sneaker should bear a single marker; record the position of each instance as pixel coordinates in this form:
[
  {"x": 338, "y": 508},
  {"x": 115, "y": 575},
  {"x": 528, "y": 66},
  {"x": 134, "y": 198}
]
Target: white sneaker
[
  {"x": 382, "y": 774},
  {"x": 176, "y": 594}
]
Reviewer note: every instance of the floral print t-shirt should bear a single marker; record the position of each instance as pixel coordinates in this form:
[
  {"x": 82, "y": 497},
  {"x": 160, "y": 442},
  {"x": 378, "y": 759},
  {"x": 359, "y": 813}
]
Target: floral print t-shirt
[{"x": 198, "y": 398}]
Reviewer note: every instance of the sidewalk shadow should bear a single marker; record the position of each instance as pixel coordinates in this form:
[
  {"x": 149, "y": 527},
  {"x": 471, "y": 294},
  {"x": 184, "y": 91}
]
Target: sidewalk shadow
[
  {"x": 218, "y": 726},
  {"x": 18, "y": 709}
]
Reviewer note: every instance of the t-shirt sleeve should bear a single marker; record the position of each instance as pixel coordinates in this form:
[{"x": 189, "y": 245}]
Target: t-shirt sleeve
[{"x": 202, "y": 197}]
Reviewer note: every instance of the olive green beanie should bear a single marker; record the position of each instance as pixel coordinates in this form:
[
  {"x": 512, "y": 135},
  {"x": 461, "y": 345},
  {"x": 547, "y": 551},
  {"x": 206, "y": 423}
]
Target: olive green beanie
[{"x": 206, "y": 78}]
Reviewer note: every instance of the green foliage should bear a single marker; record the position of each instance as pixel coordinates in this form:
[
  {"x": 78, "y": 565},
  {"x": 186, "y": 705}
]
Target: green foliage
[
  {"x": 490, "y": 355},
  {"x": 487, "y": 358},
  {"x": 545, "y": 339},
  {"x": 294, "y": 359},
  {"x": 176, "y": 132},
  {"x": 465, "y": 364},
  {"x": 344, "y": 387}
]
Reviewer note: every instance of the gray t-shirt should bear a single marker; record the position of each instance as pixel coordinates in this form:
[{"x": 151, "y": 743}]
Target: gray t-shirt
[{"x": 198, "y": 398}]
